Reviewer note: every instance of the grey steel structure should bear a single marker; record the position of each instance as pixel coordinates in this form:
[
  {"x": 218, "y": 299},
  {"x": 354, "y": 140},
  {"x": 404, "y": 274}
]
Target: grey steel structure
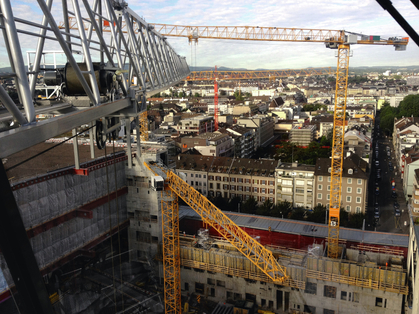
[
  {"x": 104, "y": 82},
  {"x": 98, "y": 87}
]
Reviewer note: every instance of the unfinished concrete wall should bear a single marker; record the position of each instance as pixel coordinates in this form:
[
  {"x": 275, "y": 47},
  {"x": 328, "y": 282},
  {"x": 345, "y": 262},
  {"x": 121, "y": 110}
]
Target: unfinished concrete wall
[{"x": 54, "y": 195}]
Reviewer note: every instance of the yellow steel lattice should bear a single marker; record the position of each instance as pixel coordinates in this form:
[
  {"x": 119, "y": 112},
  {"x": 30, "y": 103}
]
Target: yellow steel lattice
[
  {"x": 171, "y": 252},
  {"x": 249, "y": 247},
  {"x": 143, "y": 126},
  {"x": 337, "y": 150}
]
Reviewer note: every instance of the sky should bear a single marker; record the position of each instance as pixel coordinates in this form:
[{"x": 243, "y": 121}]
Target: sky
[{"x": 359, "y": 16}]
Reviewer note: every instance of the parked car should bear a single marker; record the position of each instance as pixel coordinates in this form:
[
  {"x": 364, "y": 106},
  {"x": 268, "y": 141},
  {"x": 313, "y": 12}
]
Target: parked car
[
  {"x": 397, "y": 212},
  {"x": 377, "y": 190},
  {"x": 393, "y": 194},
  {"x": 376, "y": 213},
  {"x": 396, "y": 205}
]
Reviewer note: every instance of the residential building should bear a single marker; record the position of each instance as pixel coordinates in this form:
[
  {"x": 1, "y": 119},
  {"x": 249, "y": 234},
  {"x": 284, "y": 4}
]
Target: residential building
[
  {"x": 355, "y": 141},
  {"x": 294, "y": 184},
  {"x": 410, "y": 164},
  {"x": 354, "y": 184},
  {"x": 244, "y": 141},
  {"x": 195, "y": 168},
  {"x": 415, "y": 193},
  {"x": 209, "y": 144},
  {"x": 263, "y": 126},
  {"x": 196, "y": 124},
  {"x": 405, "y": 135},
  {"x": 302, "y": 135},
  {"x": 243, "y": 178}
]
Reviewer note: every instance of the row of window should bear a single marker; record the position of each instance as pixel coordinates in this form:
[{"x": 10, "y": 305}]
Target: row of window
[
  {"x": 348, "y": 189},
  {"x": 348, "y": 208},
  {"x": 242, "y": 188},
  {"x": 241, "y": 180},
  {"x": 348, "y": 180},
  {"x": 241, "y": 196},
  {"x": 330, "y": 292},
  {"x": 348, "y": 198},
  {"x": 197, "y": 175}
]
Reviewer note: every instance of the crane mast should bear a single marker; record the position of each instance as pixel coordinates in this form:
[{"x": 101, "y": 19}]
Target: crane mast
[
  {"x": 337, "y": 150},
  {"x": 215, "y": 100}
]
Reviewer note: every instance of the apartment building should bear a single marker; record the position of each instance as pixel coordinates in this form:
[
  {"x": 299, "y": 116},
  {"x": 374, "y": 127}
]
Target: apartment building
[
  {"x": 209, "y": 144},
  {"x": 197, "y": 124},
  {"x": 357, "y": 142},
  {"x": 263, "y": 126},
  {"x": 405, "y": 135},
  {"x": 244, "y": 141},
  {"x": 354, "y": 183},
  {"x": 229, "y": 178},
  {"x": 294, "y": 183},
  {"x": 302, "y": 135},
  {"x": 415, "y": 193},
  {"x": 195, "y": 168}
]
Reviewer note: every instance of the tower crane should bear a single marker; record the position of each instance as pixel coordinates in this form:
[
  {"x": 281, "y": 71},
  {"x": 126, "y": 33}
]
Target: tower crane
[
  {"x": 174, "y": 187},
  {"x": 334, "y": 39}
]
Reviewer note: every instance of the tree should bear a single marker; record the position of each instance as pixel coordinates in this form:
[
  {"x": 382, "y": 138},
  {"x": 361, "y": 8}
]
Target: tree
[
  {"x": 356, "y": 220},
  {"x": 197, "y": 95},
  {"x": 265, "y": 208},
  {"x": 298, "y": 214},
  {"x": 281, "y": 209},
  {"x": 318, "y": 214},
  {"x": 223, "y": 92},
  {"x": 234, "y": 203},
  {"x": 409, "y": 106},
  {"x": 238, "y": 95},
  {"x": 250, "y": 206}
]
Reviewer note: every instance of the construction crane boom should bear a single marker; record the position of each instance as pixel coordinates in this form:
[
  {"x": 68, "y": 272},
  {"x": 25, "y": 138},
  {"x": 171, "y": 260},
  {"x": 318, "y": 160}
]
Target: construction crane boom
[
  {"x": 249, "y": 75},
  {"x": 210, "y": 214},
  {"x": 259, "y": 33}
]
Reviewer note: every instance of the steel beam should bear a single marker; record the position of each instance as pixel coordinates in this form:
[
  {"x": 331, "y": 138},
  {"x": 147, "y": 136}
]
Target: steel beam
[
  {"x": 30, "y": 135},
  {"x": 18, "y": 253}
]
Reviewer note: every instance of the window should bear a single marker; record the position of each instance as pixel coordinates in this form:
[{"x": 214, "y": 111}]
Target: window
[
  {"x": 348, "y": 199},
  {"x": 199, "y": 287},
  {"x": 311, "y": 288},
  {"x": 349, "y": 190},
  {"x": 211, "y": 281},
  {"x": 263, "y": 182},
  {"x": 299, "y": 191},
  {"x": 205, "y": 184},
  {"x": 358, "y": 210},
  {"x": 343, "y": 295},
  {"x": 247, "y": 181},
  {"x": 299, "y": 182},
  {"x": 329, "y": 292},
  {"x": 191, "y": 175},
  {"x": 328, "y": 187},
  {"x": 262, "y": 191},
  {"x": 211, "y": 186},
  {"x": 221, "y": 283},
  {"x": 225, "y": 186},
  {"x": 271, "y": 191},
  {"x": 225, "y": 179},
  {"x": 247, "y": 188},
  {"x": 233, "y": 195},
  {"x": 233, "y": 179},
  {"x": 218, "y": 186},
  {"x": 320, "y": 178},
  {"x": 349, "y": 181},
  {"x": 239, "y": 188},
  {"x": 358, "y": 200},
  {"x": 355, "y": 297},
  {"x": 319, "y": 196},
  {"x": 348, "y": 208},
  {"x": 329, "y": 179},
  {"x": 359, "y": 191},
  {"x": 379, "y": 302},
  {"x": 217, "y": 178},
  {"x": 191, "y": 183},
  {"x": 286, "y": 190},
  {"x": 359, "y": 181},
  {"x": 286, "y": 182},
  {"x": 233, "y": 187},
  {"x": 328, "y": 197},
  {"x": 262, "y": 199},
  {"x": 240, "y": 180},
  {"x": 271, "y": 182},
  {"x": 319, "y": 187},
  {"x": 255, "y": 190},
  {"x": 199, "y": 175}
]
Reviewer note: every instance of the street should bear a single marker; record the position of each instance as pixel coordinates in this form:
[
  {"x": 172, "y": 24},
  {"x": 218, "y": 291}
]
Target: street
[{"x": 383, "y": 199}]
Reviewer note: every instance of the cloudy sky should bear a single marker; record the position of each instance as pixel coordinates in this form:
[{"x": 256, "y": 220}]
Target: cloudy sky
[{"x": 360, "y": 16}]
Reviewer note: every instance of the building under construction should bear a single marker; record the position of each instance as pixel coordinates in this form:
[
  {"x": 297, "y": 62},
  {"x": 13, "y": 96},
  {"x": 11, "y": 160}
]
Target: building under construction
[{"x": 100, "y": 233}]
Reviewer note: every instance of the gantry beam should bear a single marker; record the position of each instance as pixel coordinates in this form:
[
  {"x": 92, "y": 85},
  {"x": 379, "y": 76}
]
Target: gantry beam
[{"x": 249, "y": 75}]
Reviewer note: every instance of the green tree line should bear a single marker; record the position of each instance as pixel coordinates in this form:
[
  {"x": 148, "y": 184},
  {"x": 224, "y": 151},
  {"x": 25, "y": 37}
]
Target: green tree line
[{"x": 408, "y": 107}]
